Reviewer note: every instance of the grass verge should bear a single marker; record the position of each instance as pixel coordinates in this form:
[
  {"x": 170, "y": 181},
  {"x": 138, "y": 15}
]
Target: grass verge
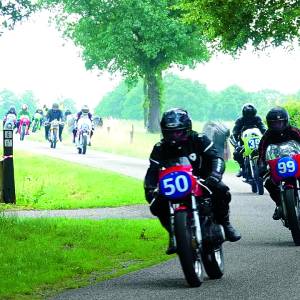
[
  {"x": 48, "y": 183},
  {"x": 40, "y": 257}
]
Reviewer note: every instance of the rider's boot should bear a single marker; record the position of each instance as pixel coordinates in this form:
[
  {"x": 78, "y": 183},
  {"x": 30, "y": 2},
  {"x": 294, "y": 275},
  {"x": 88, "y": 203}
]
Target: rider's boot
[
  {"x": 231, "y": 234},
  {"x": 172, "y": 247},
  {"x": 239, "y": 173}
]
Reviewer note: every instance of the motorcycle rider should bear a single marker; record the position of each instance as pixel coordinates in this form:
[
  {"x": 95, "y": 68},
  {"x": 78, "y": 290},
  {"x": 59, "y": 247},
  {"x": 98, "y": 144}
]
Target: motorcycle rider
[
  {"x": 85, "y": 111},
  {"x": 248, "y": 120},
  {"x": 52, "y": 114},
  {"x": 180, "y": 140},
  {"x": 23, "y": 112},
  {"x": 12, "y": 110},
  {"x": 39, "y": 111},
  {"x": 279, "y": 131}
]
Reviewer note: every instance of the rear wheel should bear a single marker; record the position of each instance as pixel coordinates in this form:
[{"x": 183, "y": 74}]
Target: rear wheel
[
  {"x": 213, "y": 260},
  {"x": 292, "y": 210},
  {"x": 189, "y": 254}
]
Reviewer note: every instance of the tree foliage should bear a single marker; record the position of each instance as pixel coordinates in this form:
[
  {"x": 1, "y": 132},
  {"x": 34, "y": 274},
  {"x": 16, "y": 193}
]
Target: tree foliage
[
  {"x": 137, "y": 38},
  {"x": 13, "y": 11},
  {"x": 193, "y": 96},
  {"x": 231, "y": 24},
  {"x": 9, "y": 98}
]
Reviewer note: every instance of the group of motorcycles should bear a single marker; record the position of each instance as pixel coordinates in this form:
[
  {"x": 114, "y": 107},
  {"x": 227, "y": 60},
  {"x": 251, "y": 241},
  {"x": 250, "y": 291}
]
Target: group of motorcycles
[
  {"x": 197, "y": 236},
  {"x": 82, "y": 139}
]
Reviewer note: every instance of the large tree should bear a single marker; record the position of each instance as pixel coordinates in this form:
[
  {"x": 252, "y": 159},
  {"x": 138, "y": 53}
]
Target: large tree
[
  {"x": 138, "y": 38},
  {"x": 231, "y": 24},
  {"x": 13, "y": 11}
]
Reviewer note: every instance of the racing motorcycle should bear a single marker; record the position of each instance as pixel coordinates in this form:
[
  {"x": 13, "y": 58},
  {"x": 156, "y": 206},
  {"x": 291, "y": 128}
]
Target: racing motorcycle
[
  {"x": 82, "y": 138},
  {"x": 10, "y": 121},
  {"x": 249, "y": 148},
  {"x": 284, "y": 168},
  {"x": 36, "y": 124},
  {"x": 53, "y": 132},
  {"x": 23, "y": 126},
  {"x": 195, "y": 233}
]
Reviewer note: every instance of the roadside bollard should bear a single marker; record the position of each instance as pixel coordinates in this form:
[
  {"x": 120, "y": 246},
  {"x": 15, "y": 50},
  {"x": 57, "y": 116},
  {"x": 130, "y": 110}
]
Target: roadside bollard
[{"x": 8, "y": 178}]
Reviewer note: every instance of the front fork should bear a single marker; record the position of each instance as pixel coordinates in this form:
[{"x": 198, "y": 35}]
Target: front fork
[{"x": 196, "y": 219}]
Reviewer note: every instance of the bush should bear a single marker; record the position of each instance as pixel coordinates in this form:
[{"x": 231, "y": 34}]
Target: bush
[{"x": 293, "y": 108}]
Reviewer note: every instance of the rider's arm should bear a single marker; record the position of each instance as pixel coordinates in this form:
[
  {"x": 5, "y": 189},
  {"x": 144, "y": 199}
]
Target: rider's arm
[
  {"x": 151, "y": 178},
  {"x": 261, "y": 126},
  {"x": 236, "y": 131}
]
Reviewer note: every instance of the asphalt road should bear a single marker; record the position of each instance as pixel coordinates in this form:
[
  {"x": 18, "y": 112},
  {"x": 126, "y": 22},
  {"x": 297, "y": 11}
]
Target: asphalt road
[{"x": 264, "y": 264}]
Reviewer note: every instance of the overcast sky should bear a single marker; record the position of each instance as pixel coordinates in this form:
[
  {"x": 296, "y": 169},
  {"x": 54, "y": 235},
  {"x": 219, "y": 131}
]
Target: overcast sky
[{"x": 35, "y": 57}]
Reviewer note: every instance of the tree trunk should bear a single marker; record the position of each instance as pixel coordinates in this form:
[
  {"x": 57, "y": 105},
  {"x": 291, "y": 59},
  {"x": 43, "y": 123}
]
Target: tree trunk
[
  {"x": 146, "y": 104},
  {"x": 154, "y": 97}
]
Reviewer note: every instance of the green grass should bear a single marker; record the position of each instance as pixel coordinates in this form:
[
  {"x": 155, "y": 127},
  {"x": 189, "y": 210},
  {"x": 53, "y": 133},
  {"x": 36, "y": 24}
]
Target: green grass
[
  {"x": 40, "y": 257},
  {"x": 48, "y": 183}
]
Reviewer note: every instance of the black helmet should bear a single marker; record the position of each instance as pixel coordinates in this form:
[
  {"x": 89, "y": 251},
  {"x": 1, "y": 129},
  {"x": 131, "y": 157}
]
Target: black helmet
[
  {"x": 175, "y": 125},
  {"x": 248, "y": 110},
  {"x": 85, "y": 109},
  {"x": 277, "y": 119},
  {"x": 12, "y": 109},
  {"x": 55, "y": 106}
]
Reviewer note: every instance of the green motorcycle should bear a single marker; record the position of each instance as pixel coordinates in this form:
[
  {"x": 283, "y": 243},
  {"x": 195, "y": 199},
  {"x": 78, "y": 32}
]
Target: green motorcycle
[
  {"x": 36, "y": 123},
  {"x": 251, "y": 139}
]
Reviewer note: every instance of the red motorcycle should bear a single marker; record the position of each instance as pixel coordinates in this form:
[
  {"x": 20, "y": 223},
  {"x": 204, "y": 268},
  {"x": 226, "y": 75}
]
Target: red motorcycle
[
  {"x": 24, "y": 126},
  {"x": 284, "y": 163},
  {"x": 197, "y": 236}
]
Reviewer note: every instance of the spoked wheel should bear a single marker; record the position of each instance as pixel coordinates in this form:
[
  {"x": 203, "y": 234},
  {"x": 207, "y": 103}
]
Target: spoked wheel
[
  {"x": 189, "y": 254},
  {"x": 213, "y": 260},
  {"x": 293, "y": 214}
]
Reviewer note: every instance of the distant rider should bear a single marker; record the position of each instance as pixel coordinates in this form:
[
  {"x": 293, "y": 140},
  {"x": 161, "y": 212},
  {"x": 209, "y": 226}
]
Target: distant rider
[
  {"x": 279, "y": 131},
  {"x": 52, "y": 114},
  {"x": 180, "y": 140},
  {"x": 248, "y": 120},
  {"x": 12, "y": 111},
  {"x": 23, "y": 112},
  {"x": 85, "y": 111},
  {"x": 39, "y": 111}
]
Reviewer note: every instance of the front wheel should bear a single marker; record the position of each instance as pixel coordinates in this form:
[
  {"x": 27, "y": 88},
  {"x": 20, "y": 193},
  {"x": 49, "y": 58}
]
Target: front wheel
[
  {"x": 292, "y": 211},
  {"x": 54, "y": 139},
  {"x": 187, "y": 250},
  {"x": 22, "y": 133},
  {"x": 84, "y": 144},
  {"x": 34, "y": 127}
]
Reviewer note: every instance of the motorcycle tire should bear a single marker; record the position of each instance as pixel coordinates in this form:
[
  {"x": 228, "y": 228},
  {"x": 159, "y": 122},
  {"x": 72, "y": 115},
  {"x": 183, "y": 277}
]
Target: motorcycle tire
[
  {"x": 22, "y": 133},
  {"x": 54, "y": 139},
  {"x": 84, "y": 144},
  {"x": 34, "y": 128},
  {"x": 260, "y": 186},
  {"x": 190, "y": 258},
  {"x": 213, "y": 261},
  {"x": 292, "y": 210}
]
